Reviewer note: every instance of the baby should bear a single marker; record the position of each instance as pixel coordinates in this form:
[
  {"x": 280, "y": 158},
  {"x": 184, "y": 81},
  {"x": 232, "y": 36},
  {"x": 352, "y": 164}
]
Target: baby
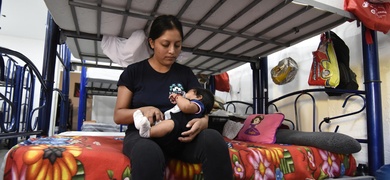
[{"x": 196, "y": 103}]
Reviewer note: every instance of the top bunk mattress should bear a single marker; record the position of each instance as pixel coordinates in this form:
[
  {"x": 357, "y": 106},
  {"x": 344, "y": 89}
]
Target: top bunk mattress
[{"x": 218, "y": 35}]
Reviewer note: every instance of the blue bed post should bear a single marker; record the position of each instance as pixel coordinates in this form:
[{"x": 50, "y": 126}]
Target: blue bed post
[
  {"x": 260, "y": 83},
  {"x": 65, "y": 90},
  {"x": 49, "y": 61},
  {"x": 374, "y": 103},
  {"x": 17, "y": 100},
  {"x": 82, "y": 99},
  {"x": 255, "y": 66},
  {"x": 264, "y": 84},
  {"x": 212, "y": 84}
]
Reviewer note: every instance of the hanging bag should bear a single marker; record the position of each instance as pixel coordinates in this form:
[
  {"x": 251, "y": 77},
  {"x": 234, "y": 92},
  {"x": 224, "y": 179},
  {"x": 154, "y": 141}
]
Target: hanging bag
[
  {"x": 374, "y": 16},
  {"x": 324, "y": 69},
  {"x": 347, "y": 76},
  {"x": 222, "y": 82}
]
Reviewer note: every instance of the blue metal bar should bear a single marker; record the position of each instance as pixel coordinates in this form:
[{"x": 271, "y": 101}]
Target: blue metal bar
[
  {"x": 264, "y": 85},
  {"x": 31, "y": 92},
  {"x": 260, "y": 85},
  {"x": 13, "y": 126},
  {"x": 212, "y": 84},
  {"x": 17, "y": 98},
  {"x": 49, "y": 61},
  {"x": 315, "y": 90},
  {"x": 374, "y": 104},
  {"x": 9, "y": 91},
  {"x": 64, "y": 109},
  {"x": 3, "y": 121},
  {"x": 2, "y": 68},
  {"x": 297, "y": 121},
  {"x": 83, "y": 98},
  {"x": 25, "y": 102},
  {"x": 255, "y": 66}
]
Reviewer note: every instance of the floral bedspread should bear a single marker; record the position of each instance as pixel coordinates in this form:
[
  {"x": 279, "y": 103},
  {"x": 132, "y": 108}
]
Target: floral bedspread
[{"x": 100, "y": 157}]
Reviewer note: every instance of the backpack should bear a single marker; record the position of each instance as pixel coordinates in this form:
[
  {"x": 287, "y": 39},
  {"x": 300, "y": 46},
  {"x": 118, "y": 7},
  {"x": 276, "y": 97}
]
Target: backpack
[{"x": 347, "y": 76}]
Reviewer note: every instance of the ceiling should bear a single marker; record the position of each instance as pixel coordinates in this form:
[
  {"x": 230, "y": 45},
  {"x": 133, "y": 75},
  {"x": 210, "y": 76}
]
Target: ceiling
[
  {"x": 23, "y": 18},
  {"x": 218, "y": 37},
  {"x": 18, "y": 15},
  {"x": 26, "y": 18}
]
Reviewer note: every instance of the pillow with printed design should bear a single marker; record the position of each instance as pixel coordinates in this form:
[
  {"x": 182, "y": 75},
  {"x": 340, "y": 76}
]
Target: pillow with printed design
[{"x": 260, "y": 128}]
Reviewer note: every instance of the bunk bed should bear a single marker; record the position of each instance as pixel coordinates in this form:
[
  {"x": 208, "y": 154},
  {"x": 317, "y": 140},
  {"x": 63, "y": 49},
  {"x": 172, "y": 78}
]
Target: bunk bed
[
  {"x": 219, "y": 36},
  {"x": 96, "y": 88},
  {"x": 101, "y": 87}
]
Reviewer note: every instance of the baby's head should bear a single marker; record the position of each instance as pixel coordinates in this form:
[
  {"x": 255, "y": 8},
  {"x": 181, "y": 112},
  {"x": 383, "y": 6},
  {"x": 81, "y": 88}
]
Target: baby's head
[{"x": 203, "y": 95}]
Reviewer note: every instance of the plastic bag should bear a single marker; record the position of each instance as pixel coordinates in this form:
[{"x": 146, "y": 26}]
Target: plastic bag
[
  {"x": 285, "y": 71},
  {"x": 126, "y": 51},
  {"x": 324, "y": 69},
  {"x": 374, "y": 16}
]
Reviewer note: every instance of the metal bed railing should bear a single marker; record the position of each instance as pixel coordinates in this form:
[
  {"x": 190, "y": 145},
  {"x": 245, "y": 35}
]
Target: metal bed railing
[
  {"x": 65, "y": 105},
  {"x": 235, "y": 106},
  {"x": 309, "y": 92},
  {"x": 17, "y": 114}
]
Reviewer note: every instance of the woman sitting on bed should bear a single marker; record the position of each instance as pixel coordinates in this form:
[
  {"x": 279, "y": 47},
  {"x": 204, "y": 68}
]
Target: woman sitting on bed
[{"x": 144, "y": 86}]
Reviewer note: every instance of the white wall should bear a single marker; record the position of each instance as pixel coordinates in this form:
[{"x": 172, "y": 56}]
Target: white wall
[
  {"x": 31, "y": 48},
  {"x": 355, "y": 126}
]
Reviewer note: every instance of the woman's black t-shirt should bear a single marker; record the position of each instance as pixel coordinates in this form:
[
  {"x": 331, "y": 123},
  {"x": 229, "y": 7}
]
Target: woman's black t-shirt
[{"x": 151, "y": 88}]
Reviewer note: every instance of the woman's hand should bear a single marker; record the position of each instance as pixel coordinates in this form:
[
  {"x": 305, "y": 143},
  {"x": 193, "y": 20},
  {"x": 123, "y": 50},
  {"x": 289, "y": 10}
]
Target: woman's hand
[
  {"x": 196, "y": 125},
  {"x": 124, "y": 115},
  {"x": 152, "y": 113}
]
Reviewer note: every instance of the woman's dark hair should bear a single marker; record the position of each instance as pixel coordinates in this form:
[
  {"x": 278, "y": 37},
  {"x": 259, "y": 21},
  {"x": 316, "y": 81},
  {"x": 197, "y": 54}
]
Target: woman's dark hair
[
  {"x": 163, "y": 23},
  {"x": 207, "y": 100}
]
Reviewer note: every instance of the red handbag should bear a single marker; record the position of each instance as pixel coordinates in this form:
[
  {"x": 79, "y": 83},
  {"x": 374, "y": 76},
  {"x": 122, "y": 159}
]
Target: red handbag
[
  {"x": 374, "y": 16},
  {"x": 222, "y": 82}
]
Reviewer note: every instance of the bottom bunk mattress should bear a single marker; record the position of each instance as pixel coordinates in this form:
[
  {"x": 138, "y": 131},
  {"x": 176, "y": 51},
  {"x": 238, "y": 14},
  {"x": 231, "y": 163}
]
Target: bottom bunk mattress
[{"x": 100, "y": 157}]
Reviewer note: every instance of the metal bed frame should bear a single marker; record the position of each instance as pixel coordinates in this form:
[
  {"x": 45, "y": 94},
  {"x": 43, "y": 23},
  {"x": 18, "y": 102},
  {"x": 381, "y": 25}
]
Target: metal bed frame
[{"x": 17, "y": 97}]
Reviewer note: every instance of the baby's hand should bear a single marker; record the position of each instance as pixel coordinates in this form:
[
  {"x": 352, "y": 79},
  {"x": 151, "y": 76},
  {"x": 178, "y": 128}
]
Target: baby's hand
[{"x": 172, "y": 98}]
